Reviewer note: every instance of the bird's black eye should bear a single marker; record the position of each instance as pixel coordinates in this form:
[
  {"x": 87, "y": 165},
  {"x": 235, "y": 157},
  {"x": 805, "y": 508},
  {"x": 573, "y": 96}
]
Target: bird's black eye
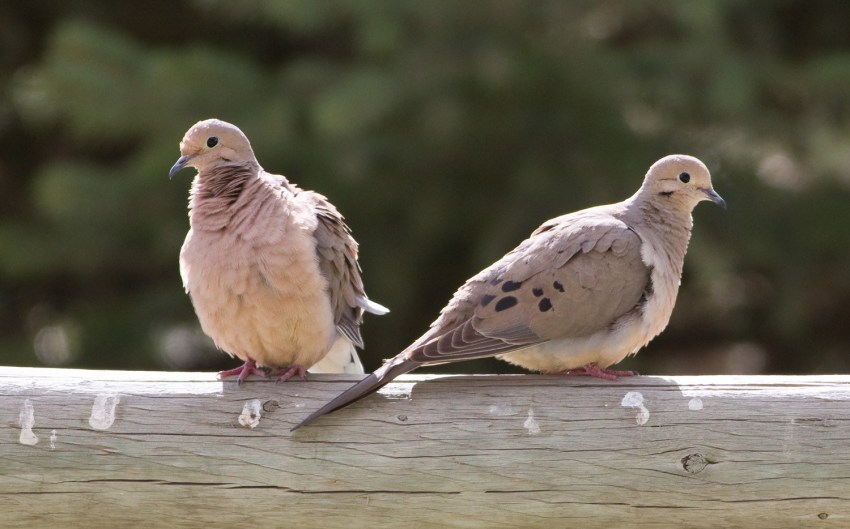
[
  {"x": 685, "y": 178},
  {"x": 212, "y": 141}
]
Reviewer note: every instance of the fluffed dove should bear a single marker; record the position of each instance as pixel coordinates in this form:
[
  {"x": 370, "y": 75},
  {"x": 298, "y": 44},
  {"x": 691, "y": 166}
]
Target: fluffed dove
[
  {"x": 271, "y": 269},
  {"x": 583, "y": 292}
]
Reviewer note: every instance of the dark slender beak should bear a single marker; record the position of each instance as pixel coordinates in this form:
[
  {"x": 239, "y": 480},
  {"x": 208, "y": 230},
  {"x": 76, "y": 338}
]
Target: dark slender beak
[
  {"x": 714, "y": 197},
  {"x": 179, "y": 164}
]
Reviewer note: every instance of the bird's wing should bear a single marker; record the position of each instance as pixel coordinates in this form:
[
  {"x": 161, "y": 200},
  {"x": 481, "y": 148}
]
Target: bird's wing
[
  {"x": 336, "y": 250},
  {"x": 574, "y": 276}
]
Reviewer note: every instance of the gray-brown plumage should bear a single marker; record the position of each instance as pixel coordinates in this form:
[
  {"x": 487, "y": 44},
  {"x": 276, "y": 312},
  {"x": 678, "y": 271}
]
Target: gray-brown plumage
[
  {"x": 583, "y": 292},
  {"x": 271, "y": 269}
]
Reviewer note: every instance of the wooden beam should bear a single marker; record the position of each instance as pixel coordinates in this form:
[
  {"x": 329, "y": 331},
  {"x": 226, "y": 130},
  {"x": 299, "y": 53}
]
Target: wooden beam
[{"x": 93, "y": 449}]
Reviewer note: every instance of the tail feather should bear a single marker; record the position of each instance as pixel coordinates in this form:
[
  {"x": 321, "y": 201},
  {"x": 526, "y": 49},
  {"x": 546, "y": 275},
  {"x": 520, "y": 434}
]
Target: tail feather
[
  {"x": 373, "y": 382},
  {"x": 370, "y": 306},
  {"x": 342, "y": 358}
]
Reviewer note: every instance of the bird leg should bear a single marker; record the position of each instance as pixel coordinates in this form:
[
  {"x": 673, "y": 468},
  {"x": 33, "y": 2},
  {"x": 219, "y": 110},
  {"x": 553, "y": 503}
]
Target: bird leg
[
  {"x": 285, "y": 374},
  {"x": 593, "y": 370},
  {"x": 244, "y": 371}
]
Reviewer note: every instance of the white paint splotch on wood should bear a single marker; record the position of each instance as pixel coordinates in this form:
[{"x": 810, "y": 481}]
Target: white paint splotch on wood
[
  {"x": 26, "y": 419},
  {"x": 251, "y": 414},
  {"x": 531, "y": 424},
  {"x": 503, "y": 409},
  {"x": 763, "y": 452},
  {"x": 634, "y": 399},
  {"x": 103, "y": 411},
  {"x": 695, "y": 404}
]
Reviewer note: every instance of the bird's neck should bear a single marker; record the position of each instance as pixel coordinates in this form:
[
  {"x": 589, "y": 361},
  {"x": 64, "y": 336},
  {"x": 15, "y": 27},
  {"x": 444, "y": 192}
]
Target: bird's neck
[
  {"x": 666, "y": 227},
  {"x": 215, "y": 192}
]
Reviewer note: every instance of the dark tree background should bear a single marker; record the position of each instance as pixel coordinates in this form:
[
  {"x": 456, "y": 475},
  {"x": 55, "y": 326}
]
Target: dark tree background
[{"x": 445, "y": 131}]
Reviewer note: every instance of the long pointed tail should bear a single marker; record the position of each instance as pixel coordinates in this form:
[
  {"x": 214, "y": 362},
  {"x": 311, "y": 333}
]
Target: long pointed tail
[{"x": 373, "y": 382}]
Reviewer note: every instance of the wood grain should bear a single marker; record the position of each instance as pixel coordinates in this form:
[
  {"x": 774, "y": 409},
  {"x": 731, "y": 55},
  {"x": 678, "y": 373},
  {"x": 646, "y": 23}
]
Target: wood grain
[{"x": 127, "y": 449}]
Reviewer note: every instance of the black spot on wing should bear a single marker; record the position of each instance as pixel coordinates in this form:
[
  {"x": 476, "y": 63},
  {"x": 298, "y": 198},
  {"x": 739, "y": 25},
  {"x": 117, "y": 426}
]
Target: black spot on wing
[
  {"x": 537, "y": 292},
  {"x": 486, "y": 299},
  {"x": 505, "y": 303},
  {"x": 558, "y": 286},
  {"x": 544, "y": 305},
  {"x": 510, "y": 286}
]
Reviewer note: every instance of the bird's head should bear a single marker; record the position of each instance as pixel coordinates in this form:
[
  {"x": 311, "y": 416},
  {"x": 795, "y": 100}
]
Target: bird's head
[
  {"x": 212, "y": 142},
  {"x": 681, "y": 180}
]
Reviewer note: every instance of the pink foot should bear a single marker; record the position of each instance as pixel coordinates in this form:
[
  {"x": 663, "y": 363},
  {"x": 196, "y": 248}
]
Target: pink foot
[
  {"x": 285, "y": 374},
  {"x": 244, "y": 371},
  {"x": 593, "y": 370}
]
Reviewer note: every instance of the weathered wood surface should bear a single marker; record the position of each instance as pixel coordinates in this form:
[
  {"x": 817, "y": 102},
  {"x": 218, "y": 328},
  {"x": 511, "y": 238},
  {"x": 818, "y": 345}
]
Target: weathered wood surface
[{"x": 138, "y": 449}]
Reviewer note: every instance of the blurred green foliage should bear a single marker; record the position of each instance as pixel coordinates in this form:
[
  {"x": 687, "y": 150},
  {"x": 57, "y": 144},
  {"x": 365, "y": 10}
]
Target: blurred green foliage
[{"x": 445, "y": 131}]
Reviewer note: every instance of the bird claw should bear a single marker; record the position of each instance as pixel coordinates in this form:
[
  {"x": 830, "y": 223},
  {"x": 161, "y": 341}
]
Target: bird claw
[
  {"x": 285, "y": 374},
  {"x": 250, "y": 368},
  {"x": 244, "y": 371},
  {"x": 593, "y": 370}
]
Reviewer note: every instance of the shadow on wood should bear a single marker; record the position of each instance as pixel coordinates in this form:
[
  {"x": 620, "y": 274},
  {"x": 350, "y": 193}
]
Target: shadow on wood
[{"x": 119, "y": 449}]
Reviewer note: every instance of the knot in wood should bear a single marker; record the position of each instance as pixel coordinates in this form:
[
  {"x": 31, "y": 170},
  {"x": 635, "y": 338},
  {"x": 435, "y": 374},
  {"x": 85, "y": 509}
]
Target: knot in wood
[
  {"x": 694, "y": 463},
  {"x": 270, "y": 405},
  {"x": 402, "y": 418},
  {"x": 823, "y": 516}
]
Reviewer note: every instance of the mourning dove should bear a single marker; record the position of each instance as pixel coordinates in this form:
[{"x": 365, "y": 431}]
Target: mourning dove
[
  {"x": 271, "y": 269},
  {"x": 583, "y": 292}
]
